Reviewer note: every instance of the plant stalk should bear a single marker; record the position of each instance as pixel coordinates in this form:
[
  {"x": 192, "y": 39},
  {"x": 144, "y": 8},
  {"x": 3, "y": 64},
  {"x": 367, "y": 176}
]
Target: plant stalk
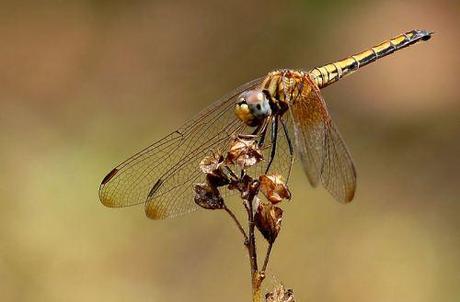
[
  {"x": 238, "y": 224},
  {"x": 256, "y": 279}
]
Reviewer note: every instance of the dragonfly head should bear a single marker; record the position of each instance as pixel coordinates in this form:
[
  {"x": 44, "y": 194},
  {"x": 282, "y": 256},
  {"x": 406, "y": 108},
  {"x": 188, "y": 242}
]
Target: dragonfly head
[{"x": 252, "y": 107}]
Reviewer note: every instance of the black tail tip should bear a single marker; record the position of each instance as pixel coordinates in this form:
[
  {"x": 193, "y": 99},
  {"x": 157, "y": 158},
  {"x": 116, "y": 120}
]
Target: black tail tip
[{"x": 424, "y": 35}]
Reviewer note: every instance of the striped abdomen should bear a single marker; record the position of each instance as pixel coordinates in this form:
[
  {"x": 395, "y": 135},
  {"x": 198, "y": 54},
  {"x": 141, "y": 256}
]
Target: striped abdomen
[{"x": 333, "y": 72}]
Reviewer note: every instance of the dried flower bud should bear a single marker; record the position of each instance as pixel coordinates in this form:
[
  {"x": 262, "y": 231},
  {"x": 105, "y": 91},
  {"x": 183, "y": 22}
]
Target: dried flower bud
[
  {"x": 211, "y": 163},
  {"x": 268, "y": 220},
  {"x": 244, "y": 152},
  {"x": 280, "y": 294},
  {"x": 212, "y": 166},
  {"x": 274, "y": 188},
  {"x": 217, "y": 179},
  {"x": 208, "y": 197}
]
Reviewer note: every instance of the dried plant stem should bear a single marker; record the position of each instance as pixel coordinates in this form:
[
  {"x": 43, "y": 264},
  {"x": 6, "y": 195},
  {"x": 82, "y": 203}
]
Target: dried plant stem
[
  {"x": 256, "y": 277},
  {"x": 267, "y": 257},
  {"x": 238, "y": 224},
  {"x": 245, "y": 152}
]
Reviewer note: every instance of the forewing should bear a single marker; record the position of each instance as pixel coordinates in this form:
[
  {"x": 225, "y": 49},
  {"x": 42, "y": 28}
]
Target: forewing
[
  {"x": 321, "y": 149},
  {"x": 163, "y": 174}
]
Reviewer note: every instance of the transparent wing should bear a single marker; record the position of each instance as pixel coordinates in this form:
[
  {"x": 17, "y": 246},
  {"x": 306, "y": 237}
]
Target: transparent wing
[
  {"x": 163, "y": 174},
  {"x": 179, "y": 180},
  {"x": 321, "y": 149}
]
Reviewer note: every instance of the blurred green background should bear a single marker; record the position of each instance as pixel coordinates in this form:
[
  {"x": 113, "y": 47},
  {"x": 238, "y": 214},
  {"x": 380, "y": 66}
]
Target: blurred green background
[{"x": 85, "y": 84}]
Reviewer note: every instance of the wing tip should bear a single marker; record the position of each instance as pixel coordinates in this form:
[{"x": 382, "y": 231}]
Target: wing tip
[
  {"x": 351, "y": 193},
  {"x": 109, "y": 176},
  {"x": 154, "y": 212},
  {"x": 350, "y": 196},
  {"x": 351, "y": 190},
  {"x": 108, "y": 202}
]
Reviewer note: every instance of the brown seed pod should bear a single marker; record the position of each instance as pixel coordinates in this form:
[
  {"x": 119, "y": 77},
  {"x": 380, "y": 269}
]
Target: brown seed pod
[
  {"x": 244, "y": 153},
  {"x": 268, "y": 220},
  {"x": 280, "y": 294},
  {"x": 273, "y": 187},
  {"x": 211, "y": 163},
  {"x": 212, "y": 166},
  {"x": 208, "y": 197}
]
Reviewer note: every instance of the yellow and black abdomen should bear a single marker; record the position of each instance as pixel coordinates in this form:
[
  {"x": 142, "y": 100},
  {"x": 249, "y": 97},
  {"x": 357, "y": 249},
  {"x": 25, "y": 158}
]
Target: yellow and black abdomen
[{"x": 330, "y": 73}]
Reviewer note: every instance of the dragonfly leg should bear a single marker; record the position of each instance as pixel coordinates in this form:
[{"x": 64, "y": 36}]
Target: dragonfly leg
[
  {"x": 257, "y": 130},
  {"x": 274, "y": 136},
  {"x": 263, "y": 133},
  {"x": 291, "y": 149}
]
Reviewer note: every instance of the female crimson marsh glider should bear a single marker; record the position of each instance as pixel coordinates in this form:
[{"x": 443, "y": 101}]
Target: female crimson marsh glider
[{"x": 285, "y": 111}]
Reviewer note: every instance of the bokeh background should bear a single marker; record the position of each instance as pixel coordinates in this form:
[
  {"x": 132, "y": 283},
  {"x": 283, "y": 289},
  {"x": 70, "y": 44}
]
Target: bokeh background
[{"x": 85, "y": 84}]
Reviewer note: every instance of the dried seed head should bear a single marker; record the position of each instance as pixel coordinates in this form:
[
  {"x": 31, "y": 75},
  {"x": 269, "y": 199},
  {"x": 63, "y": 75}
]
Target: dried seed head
[
  {"x": 217, "y": 179},
  {"x": 280, "y": 294},
  {"x": 211, "y": 163},
  {"x": 208, "y": 197},
  {"x": 268, "y": 220},
  {"x": 212, "y": 166},
  {"x": 274, "y": 188},
  {"x": 244, "y": 152}
]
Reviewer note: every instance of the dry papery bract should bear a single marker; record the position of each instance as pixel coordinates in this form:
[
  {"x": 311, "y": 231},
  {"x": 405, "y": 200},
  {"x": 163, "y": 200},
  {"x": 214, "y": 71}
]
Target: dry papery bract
[
  {"x": 244, "y": 152},
  {"x": 273, "y": 187},
  {"x": 280, "y": 294},
  {"x": 208, "y": 197},
  {"x": 211, "y": 163},
  {"x": 268, "y": 220}
]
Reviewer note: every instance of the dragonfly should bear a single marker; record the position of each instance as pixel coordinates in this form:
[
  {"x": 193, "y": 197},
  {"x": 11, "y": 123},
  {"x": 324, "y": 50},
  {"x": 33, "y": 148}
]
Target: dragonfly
[{"x": 283, "y": 109}]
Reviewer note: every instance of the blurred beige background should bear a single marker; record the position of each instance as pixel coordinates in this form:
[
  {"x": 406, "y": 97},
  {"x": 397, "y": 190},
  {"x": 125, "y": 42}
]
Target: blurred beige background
[{"x": 85, "y": 84}]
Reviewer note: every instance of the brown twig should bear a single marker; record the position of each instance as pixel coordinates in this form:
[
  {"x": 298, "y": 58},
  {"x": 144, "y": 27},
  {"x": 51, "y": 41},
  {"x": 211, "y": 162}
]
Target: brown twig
[
  {"x": 244, "y": 153},
  {"x": 255, "y": 275},
  {"x": 267, "y": 258},
  {"x": 238, "y": 224}
]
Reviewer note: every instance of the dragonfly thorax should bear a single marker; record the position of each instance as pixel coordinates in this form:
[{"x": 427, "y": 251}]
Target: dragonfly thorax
[{"x": 253, "y": 107}]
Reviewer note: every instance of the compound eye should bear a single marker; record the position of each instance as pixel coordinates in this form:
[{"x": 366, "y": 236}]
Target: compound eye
[{"x": 254, "y": 97}]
